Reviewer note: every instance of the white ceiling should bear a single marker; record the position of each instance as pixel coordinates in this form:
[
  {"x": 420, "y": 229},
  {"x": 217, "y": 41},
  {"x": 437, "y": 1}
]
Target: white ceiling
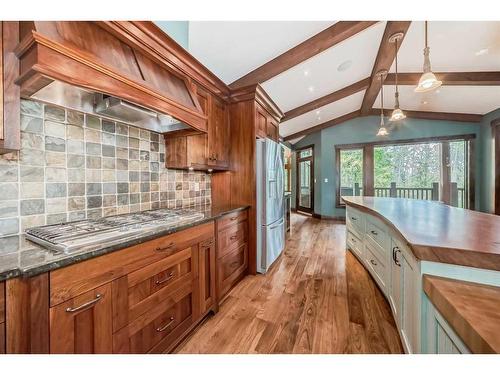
[
  {"x": 231, "y": 49},
  {"x": 455, "y": 47},
  {"x": 328, "y": 112},
  {"x": 293, "y": 87},
  {"x": 457, "y": 99}
]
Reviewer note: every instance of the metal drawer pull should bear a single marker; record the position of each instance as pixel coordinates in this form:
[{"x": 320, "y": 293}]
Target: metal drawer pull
[
  {"x": 396, "y": 256},
  {"x": 354, "y": 218},
  {"x": 374, "y": 232},
  {"x": 85, "y": 305},
  {"x": 233, "y": 237},
  {"x": 373, "y": 262},
  {"x": 234, "y": 218},
  {"x": 161, "y": 329},
  {"x": 169, "y": 277},
  {"x": 168, "y": 247}
]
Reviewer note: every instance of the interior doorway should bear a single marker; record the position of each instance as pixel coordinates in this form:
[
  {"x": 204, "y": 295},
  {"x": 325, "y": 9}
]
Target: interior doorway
[{"x": 305, "y": 180}]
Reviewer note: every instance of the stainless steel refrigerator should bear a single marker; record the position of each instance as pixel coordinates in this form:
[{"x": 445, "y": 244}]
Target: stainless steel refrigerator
[{"x": 270, "y": 203}]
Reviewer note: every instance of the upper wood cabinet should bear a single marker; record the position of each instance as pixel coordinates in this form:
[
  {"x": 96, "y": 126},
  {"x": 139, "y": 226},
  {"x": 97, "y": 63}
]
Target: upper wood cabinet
[
  {"x": 266, "y": 125},
  {"x": 202, "y": 151},
  {"x": 10, "y": 135}
]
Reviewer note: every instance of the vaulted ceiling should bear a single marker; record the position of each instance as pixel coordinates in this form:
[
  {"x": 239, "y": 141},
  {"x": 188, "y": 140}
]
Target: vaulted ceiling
[{"x": 323, "y": 73}]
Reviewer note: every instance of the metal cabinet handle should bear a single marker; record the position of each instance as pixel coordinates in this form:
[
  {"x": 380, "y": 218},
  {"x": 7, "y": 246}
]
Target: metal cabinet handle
[
  {"x": 169, "y": 277},
  {"x": 85, "y": 305},
  {"x": 373, "y": 262},
  {"x": 168, "y": 247},
  {"x": 354, "y": 218},
  {"x": 396, "y": 251},
  {"x": 161, "y": 329},
  {"x": 374, "y": 232},
  {"x": 234, "y": 218},
  {"x": 233, "y": 237}
]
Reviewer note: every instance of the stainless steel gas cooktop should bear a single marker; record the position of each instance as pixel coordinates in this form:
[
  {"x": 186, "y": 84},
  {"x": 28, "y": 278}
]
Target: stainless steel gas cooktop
[{"x": 76, "y": 235}]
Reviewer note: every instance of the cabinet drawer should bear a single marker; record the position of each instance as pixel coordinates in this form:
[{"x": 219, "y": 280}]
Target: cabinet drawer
[
  {"x": 232, "y": 237},
  {"x": 161, "y": 325},
  {"x": 73, "y": 280},
  {"x": 377, "y": 233},
  {"x": 355, "y": 244},
  {"x": 231, "y": 219},
  {"x": 377, "y": 267},
  {"x": 231, "y": 267},
  {"x": 355, "y": 219}
]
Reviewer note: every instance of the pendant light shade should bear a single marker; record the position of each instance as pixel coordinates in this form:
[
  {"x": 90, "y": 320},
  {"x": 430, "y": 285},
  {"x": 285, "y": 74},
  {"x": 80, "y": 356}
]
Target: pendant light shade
[
  {"x": 428, "y": 80},
  {"x": 382, "y": 131},
  {"x": 397, "y": 113}
]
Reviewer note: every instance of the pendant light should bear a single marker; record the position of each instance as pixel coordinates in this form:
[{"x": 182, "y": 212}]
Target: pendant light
[
  {"x": 397, "y": 113},
  {"x": 428, "y": 80},
  {"x": 382, "y": 131}
]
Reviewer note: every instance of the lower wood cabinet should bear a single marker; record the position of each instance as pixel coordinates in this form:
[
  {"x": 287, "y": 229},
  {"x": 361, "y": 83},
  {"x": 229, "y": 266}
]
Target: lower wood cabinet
[
  {"x": 207, "y": 277},
  {"x": 232, "y": 250},
  {"x": 84, "y": 324}
]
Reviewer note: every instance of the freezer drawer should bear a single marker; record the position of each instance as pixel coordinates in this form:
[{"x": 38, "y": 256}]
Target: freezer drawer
[{"x": 272, "y": 245}]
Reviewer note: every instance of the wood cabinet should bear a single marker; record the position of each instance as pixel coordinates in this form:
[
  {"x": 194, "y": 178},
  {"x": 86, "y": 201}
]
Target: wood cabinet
[
  {"x": 232, "y": 250},
  {"x": 266, "y": 126},
  {"x": 2, "y": 317},
  {"x": 141, "y": 299},
  {"x": 10, "y": 135},
  {"x": 202, "y": 151},
  {"x": 83, "y": 324}
]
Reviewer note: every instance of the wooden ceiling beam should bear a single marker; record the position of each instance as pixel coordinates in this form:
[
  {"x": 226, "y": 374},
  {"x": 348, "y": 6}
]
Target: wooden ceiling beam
[
  {"x": 384, "y": 60},
  {"x": 327, "y": 99},
  {"x": 324, "y": 125},
  {"x": 448, "y": 78},
  {"x": 320, "y": 42},
  {"x": 427, "y": 115}
]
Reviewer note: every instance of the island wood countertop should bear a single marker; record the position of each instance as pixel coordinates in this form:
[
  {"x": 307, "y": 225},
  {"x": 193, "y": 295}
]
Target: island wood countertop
[
  {"x": 471, "y": 309},
  {"x": 437, "y": 232}
]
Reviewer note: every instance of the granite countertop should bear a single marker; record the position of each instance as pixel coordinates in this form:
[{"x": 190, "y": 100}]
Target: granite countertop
[
  {"x": 471, "y": 310},
  {"x": 20, "y": 257},
  {"x": 437, "y": 232}
]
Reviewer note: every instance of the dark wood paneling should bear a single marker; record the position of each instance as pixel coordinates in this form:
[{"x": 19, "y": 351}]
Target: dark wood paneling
[
  {"x": 327, "y": 99},
  {"x": 10, "y": 135},
  {"x": 27, "y": 315},
  {"x": 327, "y": 38},
  {"x": 311, "y": 183},
  {"x": 327, "y": 124},
  {"x": 425, "y": 115},
  {"x": 496, "y": 134},
  {"x": 385, "y": 57},
  {"x": 448, "y": 78}
]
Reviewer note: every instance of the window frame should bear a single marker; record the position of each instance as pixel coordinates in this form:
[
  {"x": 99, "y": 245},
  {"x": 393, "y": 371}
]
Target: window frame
[
  {"x": 369, "y": 162},
  {"x": 298, "y": 159}
]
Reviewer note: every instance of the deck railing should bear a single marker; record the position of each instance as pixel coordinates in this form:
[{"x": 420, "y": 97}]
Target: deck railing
[{"x": 458, "y": 196}]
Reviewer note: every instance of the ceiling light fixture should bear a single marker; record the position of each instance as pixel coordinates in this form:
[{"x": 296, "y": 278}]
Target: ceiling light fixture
[
  {"x": 311, "y": 88},
  {"x": 428, "y": 80},
  {"x": 382, "y": 131},
  {"x": 397, "y": 113}
]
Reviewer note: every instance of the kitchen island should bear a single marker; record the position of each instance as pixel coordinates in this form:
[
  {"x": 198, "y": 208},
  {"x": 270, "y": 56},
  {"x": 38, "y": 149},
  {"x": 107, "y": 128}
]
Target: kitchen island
[{"x": 404, "y": 242}]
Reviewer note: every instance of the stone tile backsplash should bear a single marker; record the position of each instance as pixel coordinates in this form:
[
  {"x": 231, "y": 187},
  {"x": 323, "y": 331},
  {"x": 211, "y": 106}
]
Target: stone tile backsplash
[{"x": 74, "y": 166}]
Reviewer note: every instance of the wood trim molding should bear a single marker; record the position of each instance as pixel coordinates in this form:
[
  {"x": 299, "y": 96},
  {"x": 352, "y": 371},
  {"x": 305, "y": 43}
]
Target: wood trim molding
[
  {"x": 384, "y": 60},
  {"x": 448, "y": 78},
  {"x": 425, "y": 115},
  {"x": 257, "y": 93},
  {"x": 327, "y": 38},
  {"x": 327, "y": 99},
  {"x": 327, "y": 124},
  {"x": 465, "y": 137},
  {"x": 297, "y": 182}
]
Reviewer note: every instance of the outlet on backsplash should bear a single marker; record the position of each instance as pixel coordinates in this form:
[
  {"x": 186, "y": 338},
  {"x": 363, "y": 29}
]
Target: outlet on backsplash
[{"x": 74, "y": 166}]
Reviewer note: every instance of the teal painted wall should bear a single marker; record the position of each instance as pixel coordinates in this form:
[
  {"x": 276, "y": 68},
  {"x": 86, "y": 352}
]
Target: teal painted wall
[
  {"x": 362, "y": 130},
  {"x": 486, "y": 166},
  {"x": 177, "y": 30}
]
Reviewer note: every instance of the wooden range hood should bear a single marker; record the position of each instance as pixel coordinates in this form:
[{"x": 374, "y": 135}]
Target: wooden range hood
[{"x": 109, "y": 58}]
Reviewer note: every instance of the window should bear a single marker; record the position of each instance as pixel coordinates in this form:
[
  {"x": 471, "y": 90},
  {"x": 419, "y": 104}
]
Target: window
[
  {"x": 431, "y": 169},
  {"x": 351, "y": 172}
]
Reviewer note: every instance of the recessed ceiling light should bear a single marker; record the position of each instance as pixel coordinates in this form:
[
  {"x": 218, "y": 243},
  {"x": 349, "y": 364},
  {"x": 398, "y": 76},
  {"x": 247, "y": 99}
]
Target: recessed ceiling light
[
  {"x": 482, "y": 51},
  {"x": 438, "y": 91},
  {"x": 344, "y": 66},
  {"x": 318, "y": 112},
  {"x": 319, "y": 117},
  {"x": 306, "y": 72},
  {"x": 311, "y": 88}
]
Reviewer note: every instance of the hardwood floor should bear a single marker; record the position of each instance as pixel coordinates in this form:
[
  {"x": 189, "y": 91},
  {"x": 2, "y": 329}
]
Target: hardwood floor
[{"x": 317, "y": 298}]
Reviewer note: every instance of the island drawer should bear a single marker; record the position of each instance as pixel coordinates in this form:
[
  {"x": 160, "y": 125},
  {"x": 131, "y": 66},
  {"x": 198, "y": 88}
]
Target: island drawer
[
  {"x": 355, "y": 219},
  {"x": 231, "y": 237},
  {"x": 71, "y": 281},
  {"x": 377, "y": 233},
  {"x": 377, "y": 266},
  {"x": 355, "y": 244},
  {"x": 160, "y": 326},
  {"x": 231, "y": 219}
]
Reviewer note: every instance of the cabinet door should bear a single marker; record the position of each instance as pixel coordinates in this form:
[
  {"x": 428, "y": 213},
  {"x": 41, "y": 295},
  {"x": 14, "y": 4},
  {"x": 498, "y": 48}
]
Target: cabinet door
[
  {"x": 218, "y": 137},
  {"x": 260, "y": 122},
  {"x": 272, "y": 129},
  {"x": 409, "y": 314},
  {"x": 396, "y": 290},
  {"x": 83, "y": 324},
  {"x": 207, "y": 275},
  {"x": 231, "y": 268}
]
